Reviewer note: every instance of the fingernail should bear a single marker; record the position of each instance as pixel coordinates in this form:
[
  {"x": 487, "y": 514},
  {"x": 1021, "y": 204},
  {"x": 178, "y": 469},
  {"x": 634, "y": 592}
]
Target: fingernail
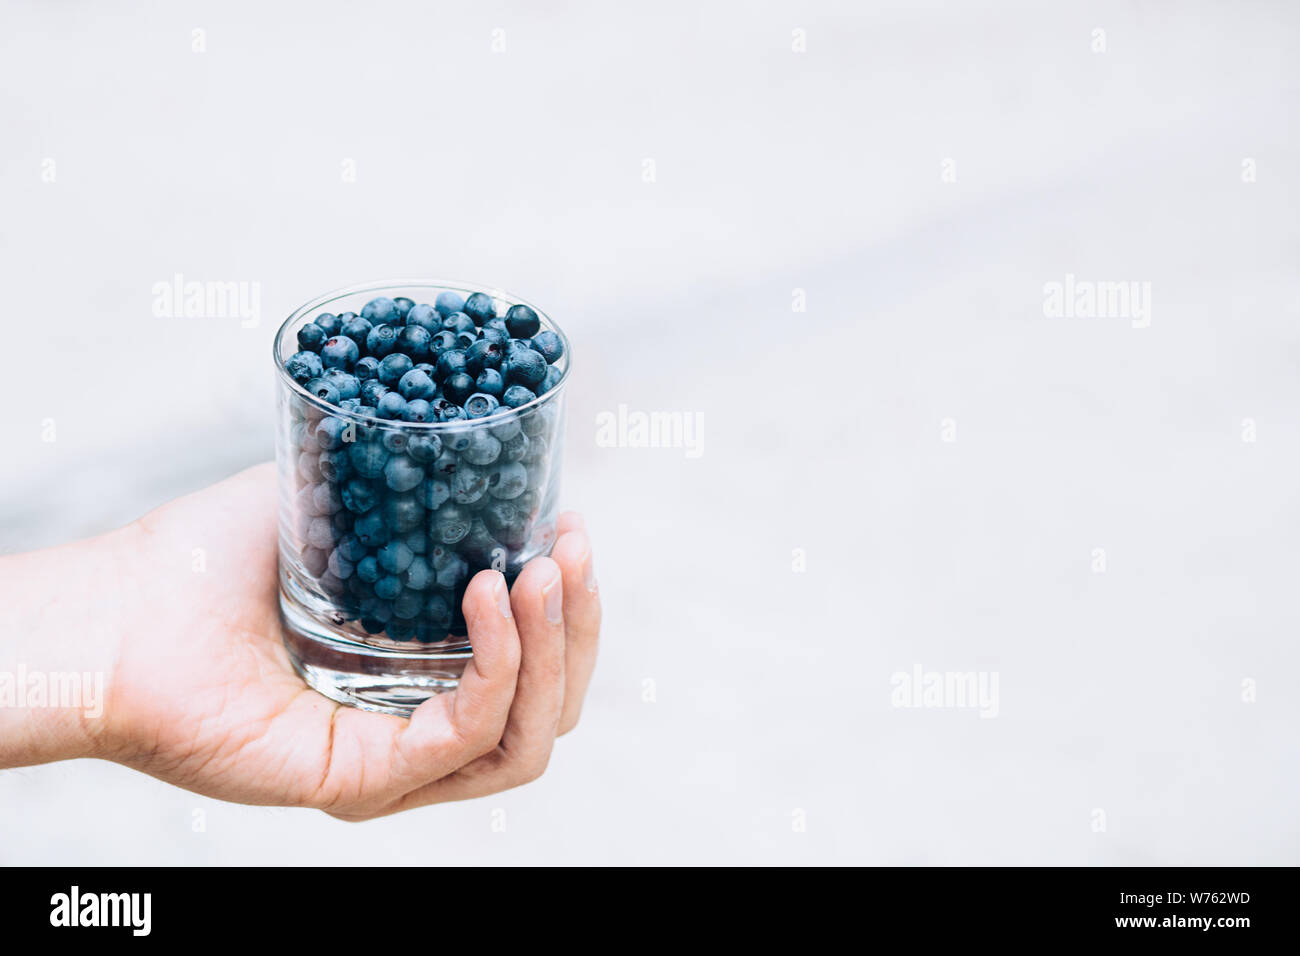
[
  {"x": 503, "y": 595},
  {"x": 553, "y": 601},
  {"x": 589, "y": 573}
]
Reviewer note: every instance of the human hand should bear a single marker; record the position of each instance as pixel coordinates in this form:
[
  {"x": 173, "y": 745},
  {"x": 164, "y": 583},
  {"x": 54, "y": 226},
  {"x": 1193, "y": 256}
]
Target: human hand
[{"x": 200, "y": 691}]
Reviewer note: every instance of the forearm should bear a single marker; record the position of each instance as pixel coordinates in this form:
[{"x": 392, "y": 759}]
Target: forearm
[{"x": 60, "y": 631}]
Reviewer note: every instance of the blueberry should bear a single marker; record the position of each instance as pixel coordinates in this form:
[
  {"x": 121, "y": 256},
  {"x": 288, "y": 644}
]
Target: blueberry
[
  {"x": 549, "y": 345},
  {"x": 329, "y": 322},
  {"x": 469, "y": 484},
  {"x": 323, "y": 390},
  {"x": 457, "y": 322},
  {"x": 450, "y": 524},
  {"x": 508, "y": 480},
  {"x": 449, "y": 363},
  {"x": 402, "y": 474},
  {"x": 304, "y": 366},
  {"x": 404, "y": 306},
  {"x": 400, "y": 631},
  {"x": 514, "y": 449},
  {"x": 367, "y": 368},
  {"x": 311, "y": 337},
  {"x": 458, "y": 387},
  {"x": 388, "y": 587},
  {"x": 418, "y": 575},
  {"x": 437, "y": 613},
  {"x": 391, "y": 405},
  {"x": 498, "y": 336},
  {"x": 425, "y": 447},
  {"x": 380, "y": 310},
  {"x": 483, "y": 354},
  {"x": 351, "y": 404},
  {"x": 527, "y": 368},
  {"x": 327, "y": 498},
  {"x": 348, "y": 385},
  {"x": 480, "y": 307},
  {"x": 368, "y": 569},
  {"x": 339, "y": 565},
  {"x": 552, "y": 379},
  {"x": 465, "y": 339},
  {"x": 350, "y": 547},
  {"x": 417, "y": 540},
  {"x": 441, "y": 342},
  {"x": 403, "y": 512},
  {"x": 315, "y": 561},
  {"x": 426, "y": 368},
  {"x": 505, "y": 427},
  {"x": 372, "y": 390},
  {"x": 449, "y": 302},
  {"x": 371, "y": 530},
  {"x": 414, "y": 341},
  {"x": 451, "y": 568},
  {"x": 394, "y": 439},
  {"x": 395, "y": 557},
  {"x": 481, "y": 405},
  {"x": 517, "y": 395},
  {"x": 491, "y": 383},
  {"x": 309, "y": 467},
  {"x": 425, "y": 317},
  {"x": 330, "y": 433},
  {"x": 499, "y": 325},
  {"x": 393, "y": 367},
  {"x": 357, "y": 329},
  {"x": 535, "y": 423},
  {"x": 372, "y": 625},
  {"x": 382, "y": 340},
  {"x": 434, "y": 493},
  {"x": 416, "y": 384},
  {"x": 451, "y": 413},
  {"x": 368, "y": 459},
  {"x": 335, "y": 466},
  {"x": 418, "y": 410},
  {"x": 407, "y": 606},
  {"x": 522, "y": 322},
  {"x": 339, "y": 352},
  {"x": 320, "y": 533},
  {"x": 483, "y": 449}
]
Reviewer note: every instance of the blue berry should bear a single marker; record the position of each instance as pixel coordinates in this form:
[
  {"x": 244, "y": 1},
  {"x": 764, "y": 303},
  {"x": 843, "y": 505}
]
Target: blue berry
[
  {"x": 450, "y": 524},
  {"x": 330, "y": 432},
  {"x": 497, "y": 324},
  {"x": 419, "y": 411},
  {"x": 368, "y": 569},
  {"x": 339, "y": 352},
  {"x": 522, "y": 322},
  {"x": 395, "y": 557},
  {"x": 407, "y": 606},
  {"x": 490, "y": 333},
  {"x": 437, "y": 614},
  {"x": 309, "y": 467},
  {"x": 425, "y": 447},
  {"x": 327, "y": 498},
  {"x": 490, "y": 382},
  {"x": 426, "y": 317},
  {"x": 403, "y": 512},
  {"x": 457, "y": 322},
  {"x": 508, "y": 480},
  {"x": 382, "y": 340},
  {"x": 339, "y": 565},
  {"x": 469, "y": 484},
  {"x": 368, "y": 459},
  {"x": 481, "y": 405},
  {"x": 311, "y": 337},
  {"x": 380, "y": 310},
  {"x": 441, "y": 342},
  {"x": 348, "y": 385},
  {"x": 416, "y": 384},
  {"x": 404, "y": 306},
  {"x": 335, "y": 466},
  {"x": 400, "y": 631},
  {"x": 371, "y": 530},
  {"x": 449, "y": 363},
  {"x": 451, "y": 568},
  {"x": 552, "y": 379},
  {"x": 315, "y": 561},
  {"x": 323, "y": 390},
  {"x": 358, "y": 496},
  {"x": 357, "y": 329},
  {"x": 391, "y": 405},
  {"x": 465, "y": 339},
  {"x": 388, "y": 587},
  {"x": 320, "y": 534},
  {"x": 517, "y": 395},
  {"x": 304, "y": 366},
  {"x": 367, "y": 368},
  {"x": 414, "y": 341},
  {"x": 449, "y": 302},
  {"x": 372, "y": 390},
  {"x": 434, "y": 493},
  {"x": 514, "y": 449},
  {"x": 329, "y": 322},
  {"x": 402, "y": 474},
  {"x": 483, "y": 449},
  {"x": 480, "y": 307},
  {"x": 394, "y": 439},
  {"x": 393, "y": 367},
  {"x": 527, "y": 368},
  {"x": 549, "y": 345},
  {"x": 483, "y": 354},
  {"x": 458, "y": 388},
  {"x": 418, "y": 575}
]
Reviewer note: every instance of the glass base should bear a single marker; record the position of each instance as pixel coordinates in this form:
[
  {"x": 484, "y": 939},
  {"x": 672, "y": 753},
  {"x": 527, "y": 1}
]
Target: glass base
[{"x": 387, "y": 680}]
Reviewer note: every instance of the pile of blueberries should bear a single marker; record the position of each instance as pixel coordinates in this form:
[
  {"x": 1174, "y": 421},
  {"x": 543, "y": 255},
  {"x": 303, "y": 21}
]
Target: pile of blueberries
[{"x": 393, "y": 521}]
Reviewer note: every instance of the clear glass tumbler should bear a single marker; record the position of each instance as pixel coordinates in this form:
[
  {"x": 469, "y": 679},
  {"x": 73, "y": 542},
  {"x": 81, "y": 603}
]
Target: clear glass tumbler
[{"x": 447, "y": 499}]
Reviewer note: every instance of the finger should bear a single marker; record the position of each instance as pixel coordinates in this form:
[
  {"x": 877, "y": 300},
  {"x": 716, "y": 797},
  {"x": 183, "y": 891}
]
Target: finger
[
  {"x": 572, "y": 552},
  {"x": 569, "y": 521},
  {"x": 529, "y": 736}
]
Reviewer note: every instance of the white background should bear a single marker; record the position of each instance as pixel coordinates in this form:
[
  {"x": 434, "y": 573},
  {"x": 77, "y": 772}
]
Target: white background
[{"x": 775, "y": 170}]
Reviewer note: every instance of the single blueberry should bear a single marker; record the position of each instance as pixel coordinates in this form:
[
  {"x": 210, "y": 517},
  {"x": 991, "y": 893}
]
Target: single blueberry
[
  {"x": 426, "y": 317},
  {"x": 335, "y": 466},
  {"x": 457, "y": 322},
  {"x": 498, "y": 324},
  {"x": 399, "y": 631},
  {"x": 527, "y": 368},
  {"x": 434, "y": 493},
  {"x": 522, "y": 322},
  {"x": 508, "y": 480},
  {"x": 327, "y": 498},
  {"x": 367, "y": 368},
  {"x": 393, "y": 367},
  {"x": 339, "y": 565},
  {"x": 358, "y": 495},
  {"x": 443, "y": 341},
  {"x": 371, "y": 530},
  {"x": 395, "y": 557},
  {"x": 320, "y": 533},
  {"x": 304, "y": 366},
  {"x": 329, "y": 322},
  {"x": 491, "y": 334},
  {"x": 416, "y": 384},
  {"x": 458, "y": 387},
  {"x": 309, "y": 467},
  {"x": 418, "y": 410},
  {"x": 380, "y": 310},
  {"x": 394, "y": 439},
  {"x": 517, "y": 395},
  {"x": 451, "y": 568},
  {"x": 311, "y": 337},
  {"x": 388, "y": 587},
  {"x": 536, "y": 422},
  {"x": 515, "y": 448},
  {"x": 414, "y": 341},
  {"x": 368, "y": 569},
  {"x": 417, "y": 541},
  {"x": 469, "y": 484},
  {"x": 368, "y": 458},
  {"x": 483, "y": 449},
  {"x": 372, "y": 390},
  {"x": 505, "y": 427},
  {"x": 382, "y": 340},
  {"x": 351, "y": 547},
  {"x": 481, "y": 405},
  {"x": 483, "y": 354},
  {"x": 480, "y": 307},
  {"x": 315, "y": 561},
  {"x": 323, "y": 390},
  {"x": 451, "y": 413},
  {"x": 404, "y": 306},
  {"x": 357, "y": 329},
  {"x": 425, "y": 447},
  {"x": 391, "y": 405},
  {"x": 553, "y": 376},
  {"x": 437, "y": 619},
  {"x": 449, "y": 302},
  {"x": 351, "y": 404},
  {"x": 549, "y": 345},
  {"x": 406, "y": 607},
  {"x": 450, "y": 524},
  {"x": 465, "y": 339},
  {"x": 403, "y": 512},
  {"x": 491, "y": 383},
  {"x": 418, "y": 575},
  {"x": 339, "y": 352},
  {"x": 348, "y": 385},
  {"x": 330, "y": 433},
  {"x": 402, "y": 474}
]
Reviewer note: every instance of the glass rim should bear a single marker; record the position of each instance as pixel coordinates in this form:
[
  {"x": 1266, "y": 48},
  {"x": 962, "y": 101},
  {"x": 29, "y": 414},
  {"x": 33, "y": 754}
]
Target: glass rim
[{"x": 390, "y": 285}]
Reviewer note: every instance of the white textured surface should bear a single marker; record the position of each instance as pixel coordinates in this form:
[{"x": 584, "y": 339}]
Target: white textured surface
[{"x": 776, "y": 170}]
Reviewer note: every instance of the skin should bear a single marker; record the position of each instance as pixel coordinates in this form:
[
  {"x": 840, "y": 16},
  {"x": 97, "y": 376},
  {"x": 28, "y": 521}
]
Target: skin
[{"x": 199, "y": 692}]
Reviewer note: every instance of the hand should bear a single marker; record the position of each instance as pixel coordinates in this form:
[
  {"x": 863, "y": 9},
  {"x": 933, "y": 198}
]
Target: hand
[{"x": 200, "y": 692}]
